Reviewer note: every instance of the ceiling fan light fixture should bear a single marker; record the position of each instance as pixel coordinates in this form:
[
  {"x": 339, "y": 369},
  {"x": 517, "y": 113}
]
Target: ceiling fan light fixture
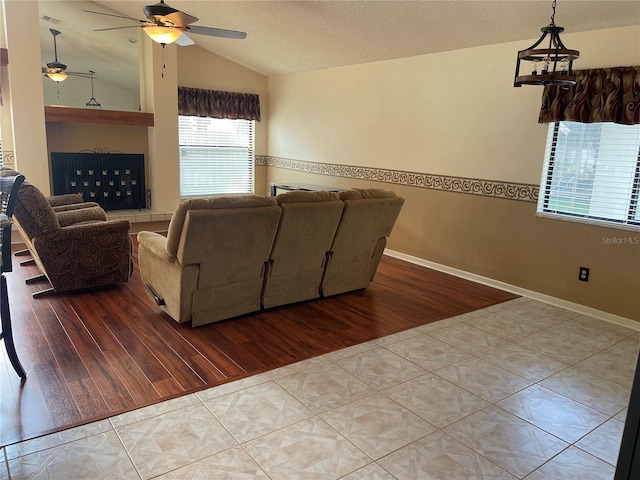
[
  {"x": 162, "y": 34},
  {"x": 57, "y": 76},
  {"x": 551, "y": 65}
]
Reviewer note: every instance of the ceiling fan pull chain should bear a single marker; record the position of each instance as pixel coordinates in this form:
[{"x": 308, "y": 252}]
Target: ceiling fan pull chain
[{"x": 163, "y": 64}]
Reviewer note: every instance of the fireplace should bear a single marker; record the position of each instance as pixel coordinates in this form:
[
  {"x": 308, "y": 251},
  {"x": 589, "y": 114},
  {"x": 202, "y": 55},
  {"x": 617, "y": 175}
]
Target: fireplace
[{"x": 114, "y": 180}]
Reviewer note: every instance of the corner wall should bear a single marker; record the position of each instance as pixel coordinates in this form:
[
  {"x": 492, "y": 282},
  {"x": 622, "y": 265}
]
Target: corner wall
[{"x": 456, "y": 115}]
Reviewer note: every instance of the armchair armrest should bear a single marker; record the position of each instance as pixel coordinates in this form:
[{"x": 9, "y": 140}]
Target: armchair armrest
[
  {"x": 71, "y": 217},
  {"x": 74, "y": 206},
  {"x": 65, "y": 199},
  {"x": 96, "y": 229},
  {"x": 85, "y": 236},
  {"x": 156, "y": 244}
]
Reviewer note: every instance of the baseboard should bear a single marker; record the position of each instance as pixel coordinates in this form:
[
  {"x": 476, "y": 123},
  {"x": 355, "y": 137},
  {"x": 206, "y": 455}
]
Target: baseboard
[{"x": 558, "y": 302}]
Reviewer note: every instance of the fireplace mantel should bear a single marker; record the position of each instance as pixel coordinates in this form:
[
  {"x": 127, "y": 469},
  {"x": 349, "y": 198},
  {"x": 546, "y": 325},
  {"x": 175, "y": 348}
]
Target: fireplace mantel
[{"x": 54, "y": 113}]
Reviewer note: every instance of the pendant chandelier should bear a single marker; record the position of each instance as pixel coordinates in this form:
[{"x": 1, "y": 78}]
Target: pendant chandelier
[
  {"x": 549, "y": 66},
  {"x": 92, "y": 103}
]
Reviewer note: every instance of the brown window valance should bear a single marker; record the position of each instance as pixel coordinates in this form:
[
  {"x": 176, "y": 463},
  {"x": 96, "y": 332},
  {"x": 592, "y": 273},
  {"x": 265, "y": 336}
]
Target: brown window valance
[
  {"x": 197, "y": 102},
  {"x": 600, "y": 95}
]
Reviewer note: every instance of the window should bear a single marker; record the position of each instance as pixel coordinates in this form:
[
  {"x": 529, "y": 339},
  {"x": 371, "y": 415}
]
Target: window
[
  {"x": 592, "y": 174},
  {"x": 216, "y": 156}
]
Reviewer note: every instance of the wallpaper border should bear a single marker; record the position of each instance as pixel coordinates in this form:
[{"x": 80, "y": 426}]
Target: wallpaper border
[
  {"x": 8, "y": 159},
  {"x": 472, "y": 186}
]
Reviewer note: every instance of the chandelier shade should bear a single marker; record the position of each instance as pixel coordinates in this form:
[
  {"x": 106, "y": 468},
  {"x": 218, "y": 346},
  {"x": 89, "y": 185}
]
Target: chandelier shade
[
  {"x": 162, "y": 34},
  {"x": 57, "y": 76}
]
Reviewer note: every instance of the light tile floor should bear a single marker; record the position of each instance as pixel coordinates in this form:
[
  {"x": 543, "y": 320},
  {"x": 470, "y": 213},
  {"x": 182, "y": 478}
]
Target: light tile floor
[{"x": 517, "y": 390}]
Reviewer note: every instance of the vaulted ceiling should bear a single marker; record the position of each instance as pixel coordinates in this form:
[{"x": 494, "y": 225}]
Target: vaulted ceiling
[{"x": 292, "y": 36}]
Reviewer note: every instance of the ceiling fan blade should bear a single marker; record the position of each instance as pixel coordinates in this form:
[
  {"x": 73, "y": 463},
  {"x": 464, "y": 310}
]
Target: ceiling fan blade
[
  {"x": 81, "y": 74},
  {"x": 185, "y": 40},
  {"x": 114, "y": 15},
  {"x": 112, "y": 10},
  {"x": 216, "y": 32},
  {"x": 117, "y": 28},
  {"x": 179, "y": 19}
]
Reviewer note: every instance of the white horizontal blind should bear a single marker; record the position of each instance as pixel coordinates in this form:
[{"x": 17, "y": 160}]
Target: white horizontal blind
[
  {"x": 216, "y": 156},
  {"x": 592, "y": 173}
]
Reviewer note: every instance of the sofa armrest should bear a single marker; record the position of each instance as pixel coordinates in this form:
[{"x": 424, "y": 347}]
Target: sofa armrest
[
  {"x": 74, "y": 206},
  {"x": 72, "y": 217},
  {"x": 156, "y": 244}
]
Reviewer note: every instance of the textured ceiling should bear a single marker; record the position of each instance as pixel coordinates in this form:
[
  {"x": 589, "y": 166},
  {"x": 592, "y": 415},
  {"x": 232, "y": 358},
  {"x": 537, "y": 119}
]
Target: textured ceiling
[{"x": 292, "y": 36}]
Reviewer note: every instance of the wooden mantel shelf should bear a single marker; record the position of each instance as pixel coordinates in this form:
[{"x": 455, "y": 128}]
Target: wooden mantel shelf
[{"x": 88, "y": 115}]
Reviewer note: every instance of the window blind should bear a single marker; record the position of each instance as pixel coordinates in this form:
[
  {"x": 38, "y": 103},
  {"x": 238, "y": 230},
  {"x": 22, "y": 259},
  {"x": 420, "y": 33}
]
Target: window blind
[
  {"x": 216, "y": 156},
  {"x": 592, "y": 173}
]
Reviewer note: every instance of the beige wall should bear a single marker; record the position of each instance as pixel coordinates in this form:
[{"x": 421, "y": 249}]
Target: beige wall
[
  {"x": 76, "y": 92},
  {"x": 457, "y": 114},
  {"x": 26, "y": 103}
]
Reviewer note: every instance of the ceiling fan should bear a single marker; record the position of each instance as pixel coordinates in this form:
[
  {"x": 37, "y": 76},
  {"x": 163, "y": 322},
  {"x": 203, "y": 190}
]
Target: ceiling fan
[
  {"x": 55, "y": 70},
  {"x": 165, "y": 24}
]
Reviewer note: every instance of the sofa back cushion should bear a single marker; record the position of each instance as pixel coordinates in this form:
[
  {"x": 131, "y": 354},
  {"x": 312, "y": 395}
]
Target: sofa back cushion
[
  {"x": 33, "y": 212},
  {"x": 307, "y": 226},
  {"x": 214, "y": 203},
  {"x": 368, "y": 216}
]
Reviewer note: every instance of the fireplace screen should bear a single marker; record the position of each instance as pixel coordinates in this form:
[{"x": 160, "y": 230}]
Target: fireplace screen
[{"x": 114, "y": 180}]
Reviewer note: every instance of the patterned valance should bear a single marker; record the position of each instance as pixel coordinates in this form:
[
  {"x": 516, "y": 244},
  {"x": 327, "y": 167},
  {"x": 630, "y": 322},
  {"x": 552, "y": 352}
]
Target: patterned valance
[
  {"x": 600, "y": 95},
  {"x": 197, "y": 102}
]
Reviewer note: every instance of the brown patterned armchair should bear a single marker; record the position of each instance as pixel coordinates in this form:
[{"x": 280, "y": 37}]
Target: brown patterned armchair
[
  {"x": 60, "y": 203},
  {"x": 74, "y": 249}
]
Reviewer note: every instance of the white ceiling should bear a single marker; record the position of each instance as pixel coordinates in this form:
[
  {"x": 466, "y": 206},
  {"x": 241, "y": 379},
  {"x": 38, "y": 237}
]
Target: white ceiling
[{"x": 292, "y": 36}]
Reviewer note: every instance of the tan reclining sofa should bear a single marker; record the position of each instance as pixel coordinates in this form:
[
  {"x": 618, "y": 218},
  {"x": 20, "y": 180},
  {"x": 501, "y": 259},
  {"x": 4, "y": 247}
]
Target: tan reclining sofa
[{"x": 228, "y": 256}]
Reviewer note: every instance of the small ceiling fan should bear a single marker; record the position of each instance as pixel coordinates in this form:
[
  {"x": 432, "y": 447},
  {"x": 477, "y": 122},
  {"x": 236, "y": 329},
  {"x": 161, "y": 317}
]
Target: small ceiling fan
[
  {"x": 165, "y": 24},
  {"x": 55, "y": 70}
]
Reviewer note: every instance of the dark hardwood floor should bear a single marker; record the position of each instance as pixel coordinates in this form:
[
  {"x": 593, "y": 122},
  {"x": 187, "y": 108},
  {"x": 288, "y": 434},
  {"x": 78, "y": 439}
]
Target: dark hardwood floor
[{"x": 91, "y": 355}]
